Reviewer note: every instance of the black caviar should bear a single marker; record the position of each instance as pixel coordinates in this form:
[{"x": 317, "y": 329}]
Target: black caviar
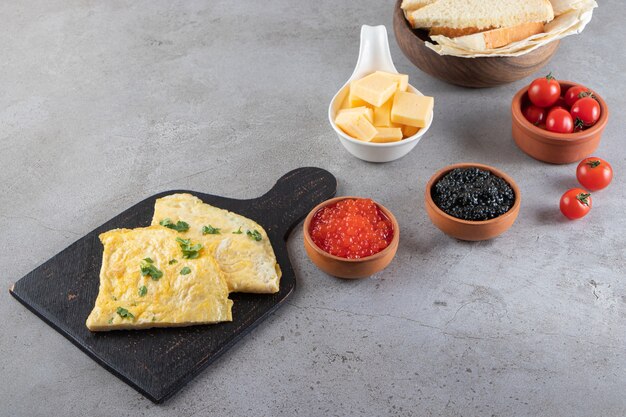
[{"x": 473, "y": 194}]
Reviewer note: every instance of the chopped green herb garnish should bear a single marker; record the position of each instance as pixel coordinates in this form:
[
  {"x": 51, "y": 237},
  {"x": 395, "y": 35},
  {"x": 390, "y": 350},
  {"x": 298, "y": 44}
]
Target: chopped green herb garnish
[
  {"x": 255, "y": 235},
  {"x": 147, "y": 268},
  {"x": 172, "y": 261},
  {"x": 125, "y": 314},
  {"x": 111, "y": 320},
  {"x": 190, "y": 251},
  {"x": 179, "y": 226},
  {"x": 153, "y": 318},
  {"x": 143, "y": 290},
  {"x": 186, "y": 270},
  {"x": 238, "y": 232},
  {"x": 114, "y": 298},
  {"x": 210, "y": 230},
  {"x": 149, "y": 260}
]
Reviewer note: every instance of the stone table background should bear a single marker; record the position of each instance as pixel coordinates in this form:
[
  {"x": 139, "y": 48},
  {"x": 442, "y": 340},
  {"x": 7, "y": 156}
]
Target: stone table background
[{"x": 105, "y": 103}]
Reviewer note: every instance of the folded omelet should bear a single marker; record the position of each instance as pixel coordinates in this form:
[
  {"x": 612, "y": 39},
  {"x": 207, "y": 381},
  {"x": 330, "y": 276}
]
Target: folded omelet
[
  {"x": 150, "y": 279},
  {"x": 240, "y": 246}
]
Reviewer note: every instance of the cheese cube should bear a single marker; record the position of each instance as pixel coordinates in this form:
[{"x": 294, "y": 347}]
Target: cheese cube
[
  {"x": 401, "y": 79},
  {"x": 408, "y": 131},
  {"x": 387, "y": 134},
  {"x": 411, "y": 109},
  {"x": 382, "y": 114},
  {"x": 376, "y": 89},
  {"x": 354, "y": 101},
  {"x": 356, "y": 125},
  {"x": 365, "y": 111}
]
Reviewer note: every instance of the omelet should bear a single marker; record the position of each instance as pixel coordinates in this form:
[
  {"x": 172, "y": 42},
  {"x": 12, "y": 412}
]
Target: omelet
[
  {"x": 240, "y": 246},
  {"x": 150, "y": 277}
]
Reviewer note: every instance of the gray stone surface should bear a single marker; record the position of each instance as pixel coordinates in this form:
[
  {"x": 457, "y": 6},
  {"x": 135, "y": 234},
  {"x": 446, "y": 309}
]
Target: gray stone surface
[{"x": 105, "y": 103}]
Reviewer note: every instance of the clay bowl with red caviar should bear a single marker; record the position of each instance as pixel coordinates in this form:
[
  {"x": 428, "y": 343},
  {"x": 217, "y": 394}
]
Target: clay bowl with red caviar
[
  {"x": 351, "y": 237},
  {"x": 552, "y": 147},
  {"x": 472, "y": 230}
]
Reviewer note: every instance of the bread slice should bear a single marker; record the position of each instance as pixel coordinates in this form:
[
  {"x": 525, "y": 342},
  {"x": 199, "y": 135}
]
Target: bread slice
[
  {"x": 409, "y": 5},
  {"x": 497, "y": 38},
  {"x": 480, "y": 14},
  {"x": 453, "y": 32}
]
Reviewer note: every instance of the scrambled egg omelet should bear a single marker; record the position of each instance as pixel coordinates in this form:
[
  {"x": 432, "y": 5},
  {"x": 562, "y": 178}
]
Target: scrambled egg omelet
[
  {"x": 151, "y": 277},
  {"x": 240, "y": 246}
]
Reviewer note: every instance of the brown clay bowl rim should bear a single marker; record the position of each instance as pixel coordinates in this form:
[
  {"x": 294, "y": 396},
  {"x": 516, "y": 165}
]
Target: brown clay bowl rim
[
  {"x": 439, "y": 174},
  {"x": 392, "y": 246},
  {"x": 561, "y": 138}
]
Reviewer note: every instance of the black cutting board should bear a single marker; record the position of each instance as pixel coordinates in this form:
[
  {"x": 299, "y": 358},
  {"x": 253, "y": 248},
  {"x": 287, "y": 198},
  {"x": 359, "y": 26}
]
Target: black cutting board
[{"x": 159, "y": 362}]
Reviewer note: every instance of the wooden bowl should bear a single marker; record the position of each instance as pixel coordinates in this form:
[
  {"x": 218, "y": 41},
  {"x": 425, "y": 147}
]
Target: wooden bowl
[
  {"x": 350, "y": 268},
  {"x": 466, "y": 72},
  {"x": 468, "y": 229},
  {"x": 555, "y": 148}
]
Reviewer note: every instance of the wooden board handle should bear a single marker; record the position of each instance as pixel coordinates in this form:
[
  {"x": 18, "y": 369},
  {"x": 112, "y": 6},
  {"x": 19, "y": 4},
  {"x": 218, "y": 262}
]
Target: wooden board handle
[{"x": 293, "y": 196}]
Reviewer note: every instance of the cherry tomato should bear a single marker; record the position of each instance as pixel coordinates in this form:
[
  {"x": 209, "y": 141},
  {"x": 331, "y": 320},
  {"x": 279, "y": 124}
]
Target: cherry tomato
[
  {"x": 535, "y": 115},
  {"x": 561, "y": 103},
  {"x": 575, "y": 203},
  {"x": 594, "y": 173},
  {"x": 544, "y": 92},
  {"x": 559, "y": 121},
  {"x": 557, "y": 107},
  {"x": 585, "y": 112},
  {"x": 576, "y": 92}
]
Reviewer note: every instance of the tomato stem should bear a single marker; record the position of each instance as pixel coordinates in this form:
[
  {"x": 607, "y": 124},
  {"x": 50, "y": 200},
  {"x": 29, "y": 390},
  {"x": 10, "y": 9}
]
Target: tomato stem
[
  {"x": 587, "y": 93},
  {"x": 583, "y": 198},
  {"x": 578, "y": 123},
  {"x": 550, "y": 76},
  {"x": 593, "y": 164}
]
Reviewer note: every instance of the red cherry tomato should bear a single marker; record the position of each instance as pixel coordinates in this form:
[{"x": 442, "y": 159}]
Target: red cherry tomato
[
  {"x": 585, "y": 112},
  {"x": 544, "y": 92},
  {"x": 575, "y": 203},
  {"x": 562, "y": 103},
  {"x": 534, "y": 114},
  {"x": 559, "y": 121},
  {"x": 558, "y": 107},
  {"x": 594, "y": 173},
  {"x": 576, "y": 92}
]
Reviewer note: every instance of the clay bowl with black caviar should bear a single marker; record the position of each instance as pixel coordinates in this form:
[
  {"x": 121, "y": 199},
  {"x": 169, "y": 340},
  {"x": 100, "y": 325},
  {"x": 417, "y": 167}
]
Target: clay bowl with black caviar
[
  {"x": 473, "y": 230},
  {"x": 344, "y": 267}
]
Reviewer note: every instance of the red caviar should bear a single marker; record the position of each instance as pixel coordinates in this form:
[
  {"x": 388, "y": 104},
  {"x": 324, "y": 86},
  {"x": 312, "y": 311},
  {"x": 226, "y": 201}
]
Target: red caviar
[{"x": 351, "y": 228}]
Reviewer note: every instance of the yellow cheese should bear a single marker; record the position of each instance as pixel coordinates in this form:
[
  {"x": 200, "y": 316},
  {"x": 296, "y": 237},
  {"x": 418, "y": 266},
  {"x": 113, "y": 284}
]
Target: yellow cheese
[
  {"x": 388, "y": 134},
  {"x": 409, "y": 131},
  {"x": 401, "y": 79},
  {"x": 356, "y": 125},
  {"x": 411, "y": 109},
  {"x": 376, "y": 89},
  {"x": 354, "y": 101},
  {"x": 382, "y": 114},
  {"x": 364, "y": 110}
]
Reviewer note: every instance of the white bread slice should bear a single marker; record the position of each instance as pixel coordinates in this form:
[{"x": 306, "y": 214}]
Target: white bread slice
[
  {"x": 480, "y": 14},
  {"x": 498, "y": 37},
  {"x": 409, "y": 5}
]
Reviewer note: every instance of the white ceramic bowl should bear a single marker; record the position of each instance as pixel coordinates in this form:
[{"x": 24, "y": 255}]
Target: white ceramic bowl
[{"x": 374, "y": 56}]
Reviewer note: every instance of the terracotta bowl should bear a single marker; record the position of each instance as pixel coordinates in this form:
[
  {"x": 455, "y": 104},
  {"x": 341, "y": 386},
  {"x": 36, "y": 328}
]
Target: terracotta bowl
[
  {"x": 350, "y": 268},
  {"x": 466, "y": 72},
  {"x": 467, "y": 229},
  {"x": 555, "y": 148}
]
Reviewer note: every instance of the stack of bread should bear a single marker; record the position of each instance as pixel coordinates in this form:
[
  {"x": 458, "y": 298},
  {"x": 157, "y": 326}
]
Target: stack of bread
[{"x": 496, "y": 27}]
